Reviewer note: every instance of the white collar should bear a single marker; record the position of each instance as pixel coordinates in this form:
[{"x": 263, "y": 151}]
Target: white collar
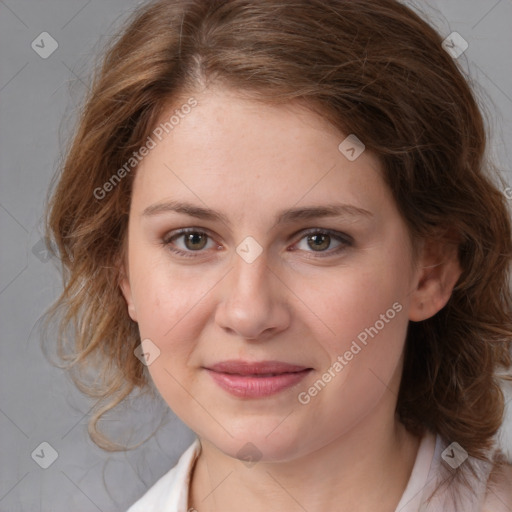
[{"x": 171, "y": 491}]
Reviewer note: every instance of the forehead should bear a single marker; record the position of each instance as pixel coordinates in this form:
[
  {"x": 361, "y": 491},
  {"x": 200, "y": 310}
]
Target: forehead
[{"x": 233, "y": 151}]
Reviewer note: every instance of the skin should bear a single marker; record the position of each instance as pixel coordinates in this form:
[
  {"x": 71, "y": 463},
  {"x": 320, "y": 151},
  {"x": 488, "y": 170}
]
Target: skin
[{"x": 345, "y": 449}]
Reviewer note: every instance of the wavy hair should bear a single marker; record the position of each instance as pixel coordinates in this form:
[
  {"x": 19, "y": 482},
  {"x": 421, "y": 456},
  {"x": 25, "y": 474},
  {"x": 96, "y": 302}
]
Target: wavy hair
[{"x": 374, "y": 68}]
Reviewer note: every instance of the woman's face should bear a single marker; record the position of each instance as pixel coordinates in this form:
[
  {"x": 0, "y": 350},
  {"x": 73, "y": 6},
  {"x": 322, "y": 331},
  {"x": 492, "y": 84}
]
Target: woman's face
[{"x": 266, "y": 275}]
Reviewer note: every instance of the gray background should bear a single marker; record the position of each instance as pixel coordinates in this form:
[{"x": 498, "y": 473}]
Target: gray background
[{"x": 39, "y": 99}]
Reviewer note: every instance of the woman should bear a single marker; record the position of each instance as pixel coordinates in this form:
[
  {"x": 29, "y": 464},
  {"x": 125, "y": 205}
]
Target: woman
[{"x": 279, "y": 214}]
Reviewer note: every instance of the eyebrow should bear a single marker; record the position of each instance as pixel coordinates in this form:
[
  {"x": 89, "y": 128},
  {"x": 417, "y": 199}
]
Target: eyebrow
[{"x": 285, "y": 216}]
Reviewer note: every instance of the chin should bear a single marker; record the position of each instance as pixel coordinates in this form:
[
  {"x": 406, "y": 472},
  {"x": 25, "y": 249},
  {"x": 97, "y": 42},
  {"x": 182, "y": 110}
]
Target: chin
[{"x": 259, "y": 443}]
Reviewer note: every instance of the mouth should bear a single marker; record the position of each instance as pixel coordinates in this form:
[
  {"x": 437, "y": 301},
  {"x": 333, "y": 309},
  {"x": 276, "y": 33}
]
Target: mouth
[{"x": 245, "y": 379}]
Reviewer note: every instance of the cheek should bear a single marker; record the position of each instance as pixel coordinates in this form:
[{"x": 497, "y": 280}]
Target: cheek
[
  {"x": 365, "y": 309},
  {"x": 170, "y": 305},
  {"x": 363, "y": 355},
  {"x": 357, "y": 300},
  {"x": 166, "y": 294}
]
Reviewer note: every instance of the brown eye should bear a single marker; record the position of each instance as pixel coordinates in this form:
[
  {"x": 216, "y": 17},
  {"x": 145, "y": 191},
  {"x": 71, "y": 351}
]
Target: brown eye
[
  {"x": 186, "y": 242},
  {"x": 324, "y": 242},
  {"x": 319, "y": 241},
  {"x": 195, "y": 240}
]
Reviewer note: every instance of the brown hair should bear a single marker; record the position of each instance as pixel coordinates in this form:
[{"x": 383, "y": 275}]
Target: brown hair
[{"x": 373, "y": 68}]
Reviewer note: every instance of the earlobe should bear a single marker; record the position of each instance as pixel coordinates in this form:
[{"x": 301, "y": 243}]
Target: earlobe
[
  {"x": 438, "y": 272},
  {"x": 124, "y": 284}
]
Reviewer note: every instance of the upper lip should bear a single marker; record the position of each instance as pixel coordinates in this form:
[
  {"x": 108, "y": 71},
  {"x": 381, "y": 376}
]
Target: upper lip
[{"x": 240, "y": 367}]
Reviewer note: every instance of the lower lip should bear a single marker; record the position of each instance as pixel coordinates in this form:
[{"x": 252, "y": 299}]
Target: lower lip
[{"x": 256, "y": 387}]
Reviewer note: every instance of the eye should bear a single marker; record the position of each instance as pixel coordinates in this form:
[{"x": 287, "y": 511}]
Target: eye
[
  {"x": 321, "y": 239},
  {"x": 193, "y": 240}
]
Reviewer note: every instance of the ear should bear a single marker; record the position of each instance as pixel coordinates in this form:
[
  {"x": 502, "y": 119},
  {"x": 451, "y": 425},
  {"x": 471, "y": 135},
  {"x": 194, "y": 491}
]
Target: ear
[
  {"x": 437, "y": 273},
  {"x": 126, "y": 289}
]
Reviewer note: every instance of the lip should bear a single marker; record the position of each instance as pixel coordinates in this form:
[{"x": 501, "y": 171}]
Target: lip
[{"x": 246, "y": 379}]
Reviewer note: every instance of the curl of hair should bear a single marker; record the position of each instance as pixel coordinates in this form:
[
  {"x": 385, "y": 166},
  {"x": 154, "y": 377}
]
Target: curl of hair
[{"x": 374, "y": 68}]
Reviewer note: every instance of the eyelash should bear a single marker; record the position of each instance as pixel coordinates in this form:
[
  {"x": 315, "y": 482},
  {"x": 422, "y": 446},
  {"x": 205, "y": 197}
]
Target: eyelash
[{"x": 346, "y": 241}]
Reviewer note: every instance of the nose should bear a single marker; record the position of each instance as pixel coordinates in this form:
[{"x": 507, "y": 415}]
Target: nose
[{"x": 253, "y": 304}]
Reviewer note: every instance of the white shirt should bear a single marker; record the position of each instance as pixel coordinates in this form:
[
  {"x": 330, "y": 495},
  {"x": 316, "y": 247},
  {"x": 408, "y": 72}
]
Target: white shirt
[{"x": 170, "y": 492}]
